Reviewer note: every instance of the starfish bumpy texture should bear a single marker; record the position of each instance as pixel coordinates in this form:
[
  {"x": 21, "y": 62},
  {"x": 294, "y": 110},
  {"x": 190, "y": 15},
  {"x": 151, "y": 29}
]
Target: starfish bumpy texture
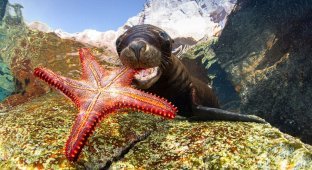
[{"x": 99, "y": 93}]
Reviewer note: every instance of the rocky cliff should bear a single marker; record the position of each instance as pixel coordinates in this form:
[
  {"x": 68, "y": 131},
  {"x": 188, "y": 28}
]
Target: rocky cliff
[
  {"x": 185, "y": 18},
  {"x": 182, "y": 19},
  {"x": 264, "y": 54}
]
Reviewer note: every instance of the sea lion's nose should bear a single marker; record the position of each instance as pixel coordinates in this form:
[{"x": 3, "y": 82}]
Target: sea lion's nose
[{"x": 136, "y": 47}]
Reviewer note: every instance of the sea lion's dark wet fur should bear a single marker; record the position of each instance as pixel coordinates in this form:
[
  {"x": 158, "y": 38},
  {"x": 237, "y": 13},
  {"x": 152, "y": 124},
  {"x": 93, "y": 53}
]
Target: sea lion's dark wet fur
[{"x": 145, "y": 46}]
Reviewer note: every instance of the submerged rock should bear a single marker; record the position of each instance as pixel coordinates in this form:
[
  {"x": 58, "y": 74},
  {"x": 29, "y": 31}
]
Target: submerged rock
[
  {"x": 265, "y": 49},
  {"x": 33, "y": 135},
  {"x": 23, "y": 49},
  {"x": 216, "y": 145},
  {"x": 7, "y": 85},
  {"x": 207, "y": 66},
  {"x": 3, "y": 4},
  {"x": 261, "y": 63}
]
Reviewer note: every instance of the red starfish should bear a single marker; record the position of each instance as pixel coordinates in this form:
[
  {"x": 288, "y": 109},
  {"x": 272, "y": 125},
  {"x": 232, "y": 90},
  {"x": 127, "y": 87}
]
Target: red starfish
[{"x": 99, "y": 93}]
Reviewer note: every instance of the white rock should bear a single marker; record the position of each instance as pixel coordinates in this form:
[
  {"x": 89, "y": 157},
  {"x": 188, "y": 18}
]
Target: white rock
[
  {"x": 37, "y": 25},
  {"x": 92, "y": 37},
  {"x": 184, "y": 18},
  {"x": 180, "y": 18}
]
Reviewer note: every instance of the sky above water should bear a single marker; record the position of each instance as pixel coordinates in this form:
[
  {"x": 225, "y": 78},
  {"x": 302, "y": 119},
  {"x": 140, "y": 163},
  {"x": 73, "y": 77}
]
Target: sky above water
[{"x": 77, "y": 15}]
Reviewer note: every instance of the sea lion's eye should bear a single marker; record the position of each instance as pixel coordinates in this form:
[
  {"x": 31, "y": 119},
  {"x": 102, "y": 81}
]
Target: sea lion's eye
[
  {"x": 164, "y": 35},
  {"x": 118, "y": 42}
]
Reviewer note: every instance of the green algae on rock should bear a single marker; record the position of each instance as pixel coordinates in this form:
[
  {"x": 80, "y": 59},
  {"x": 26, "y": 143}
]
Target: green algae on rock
[
  {"x": 33, "y": 135},
  {"x": 216, "y": 145}
]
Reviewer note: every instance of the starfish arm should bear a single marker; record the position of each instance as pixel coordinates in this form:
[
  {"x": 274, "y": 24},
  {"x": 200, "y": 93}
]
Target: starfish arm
[
  {"x": 83, "y": 127},
  {"x": 67, "y": 86},
  {"x": 142, "y": 101},
  {"x": 91, "y": 113},
  {"x": 91, "y": 69}
]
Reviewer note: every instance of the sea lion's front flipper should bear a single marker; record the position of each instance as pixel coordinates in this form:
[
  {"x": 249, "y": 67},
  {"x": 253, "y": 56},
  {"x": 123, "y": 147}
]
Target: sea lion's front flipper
[{"x": 202, "y": 113}]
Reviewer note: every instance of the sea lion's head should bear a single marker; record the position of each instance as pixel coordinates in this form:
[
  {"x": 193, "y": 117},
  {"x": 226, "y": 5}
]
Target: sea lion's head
[{"x": 148, "y": 47}]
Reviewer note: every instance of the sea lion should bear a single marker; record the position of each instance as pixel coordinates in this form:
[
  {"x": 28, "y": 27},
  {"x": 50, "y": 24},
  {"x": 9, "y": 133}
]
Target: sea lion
[{"x": 149, "y": 47}]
